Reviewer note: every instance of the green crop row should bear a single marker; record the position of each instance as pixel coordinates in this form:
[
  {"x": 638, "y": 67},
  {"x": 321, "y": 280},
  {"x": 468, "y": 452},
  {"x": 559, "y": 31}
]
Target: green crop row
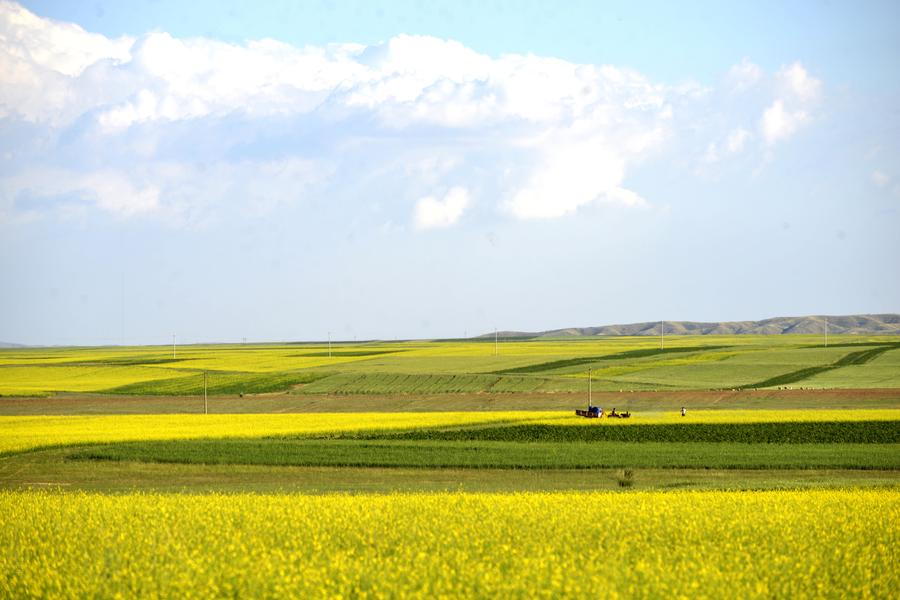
[
  {"x": 826, "y": 432},
  {"x": 404, "y": 383},
  {"x": 492, "y": 454},
  {"x": 219, "y": 383},
  {"x": 860, "y": 357}
]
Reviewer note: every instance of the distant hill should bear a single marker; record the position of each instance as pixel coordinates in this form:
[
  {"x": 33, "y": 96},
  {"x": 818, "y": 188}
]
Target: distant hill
[
  {"x": 888, "y": 324},
  {"x": 9, "y": 345}
]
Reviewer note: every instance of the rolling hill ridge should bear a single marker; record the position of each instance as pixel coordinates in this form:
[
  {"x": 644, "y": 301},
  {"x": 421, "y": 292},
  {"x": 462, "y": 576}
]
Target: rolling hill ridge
[{"x": 883, "y": 324}]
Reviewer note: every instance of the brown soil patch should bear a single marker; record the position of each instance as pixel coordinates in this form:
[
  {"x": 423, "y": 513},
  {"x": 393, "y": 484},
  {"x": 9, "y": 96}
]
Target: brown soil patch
[{"x": 294, "y": 403}]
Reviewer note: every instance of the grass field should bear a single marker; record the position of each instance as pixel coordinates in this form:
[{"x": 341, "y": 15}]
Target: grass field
[{"x": 626, "y": 363}]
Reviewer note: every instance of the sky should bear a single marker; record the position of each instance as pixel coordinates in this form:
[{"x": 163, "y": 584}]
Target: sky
[{"x": 279, "y": 171}]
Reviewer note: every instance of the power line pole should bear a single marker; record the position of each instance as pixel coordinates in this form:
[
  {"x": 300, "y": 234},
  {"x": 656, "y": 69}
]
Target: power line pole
[
  {"x": 205, "y": 399},
  {"x": 662, "y": 335},
  {"x": 173, "y": 345},
  {"x": 329, "y": 344},
  {"x": 123, "y": 308},
  {"x": 826, "y": 332},
  {"x": 496, "y": 344},
  {"x": 590, "y": 391}
]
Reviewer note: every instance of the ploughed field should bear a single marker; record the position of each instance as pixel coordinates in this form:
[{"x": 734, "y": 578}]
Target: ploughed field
[{"x": 459, "y": 367}]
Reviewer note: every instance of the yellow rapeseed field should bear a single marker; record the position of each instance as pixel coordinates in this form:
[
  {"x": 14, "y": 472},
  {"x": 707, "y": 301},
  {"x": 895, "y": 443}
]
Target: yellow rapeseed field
[
  {"x": 785, "y": 544},
  {"x": 24, "y": 433},
  {"x": 20, "y": 433}
]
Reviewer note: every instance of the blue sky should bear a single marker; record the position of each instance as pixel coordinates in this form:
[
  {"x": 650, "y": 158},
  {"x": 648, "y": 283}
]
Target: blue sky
[{"x": 416, "y": 169}]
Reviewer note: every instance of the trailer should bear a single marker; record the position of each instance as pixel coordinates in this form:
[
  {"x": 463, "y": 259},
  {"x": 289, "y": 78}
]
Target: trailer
[{"x": 593, "y": 412}]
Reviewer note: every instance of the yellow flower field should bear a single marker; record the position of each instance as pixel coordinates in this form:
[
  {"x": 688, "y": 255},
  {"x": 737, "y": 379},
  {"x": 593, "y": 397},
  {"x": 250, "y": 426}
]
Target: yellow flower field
[
  {"x": 24, "y": 433},
  {"x": 784, "y": 544}
]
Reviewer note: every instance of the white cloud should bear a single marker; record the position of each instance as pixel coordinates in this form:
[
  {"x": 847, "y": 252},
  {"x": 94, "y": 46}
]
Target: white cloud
[
  {"x": 798, "y": 92},
  {"x": 733, "y": 144},
  {"x": 569, "y": 176},
  {"x": 744, "y": 76},
  {"x": 547, "y": 136},
  {"x": 736, "y": 140},
  {"x": 880, "y": 179},
  {"x": 625, "y": 197},
  {"x": 405, "y": 80},
  {"x": 778, "y": 123},
  {"x": 64, "y": 48},
  {"x": 170, "y": 192},
  {"x": 109, "y": 190},
  {"x": 795, "y": 81},
  {"x": 431, "y": 212}
]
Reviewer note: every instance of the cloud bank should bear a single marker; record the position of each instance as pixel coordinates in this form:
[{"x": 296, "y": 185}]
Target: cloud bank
[
  {"x": 182, "y": 128},
  {"x": 431, "y": 212}
]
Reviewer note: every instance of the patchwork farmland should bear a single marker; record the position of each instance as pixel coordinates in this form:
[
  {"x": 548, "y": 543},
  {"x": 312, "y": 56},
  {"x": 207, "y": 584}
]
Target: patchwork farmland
[{"x": 782, "y": 432}]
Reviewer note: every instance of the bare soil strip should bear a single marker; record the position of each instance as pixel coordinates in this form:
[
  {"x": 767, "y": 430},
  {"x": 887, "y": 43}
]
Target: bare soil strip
[{"x": 80, "y": 404}]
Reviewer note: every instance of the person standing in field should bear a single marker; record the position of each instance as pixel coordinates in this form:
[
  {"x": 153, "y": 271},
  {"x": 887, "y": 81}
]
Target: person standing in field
[{"x": 683, "y": 412}]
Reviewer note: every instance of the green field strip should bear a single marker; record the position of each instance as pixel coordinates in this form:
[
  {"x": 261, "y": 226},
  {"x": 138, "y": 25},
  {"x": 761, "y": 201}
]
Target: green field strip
[
  {"x": 108, "y": 476},
  {"x": 322, "y": 354},
  {"x": 855, "y": 344},
  {"x": 400, "y": 383},
  {"x": 852, "y": 359},
  {"x": 586, "y": 360},
  {"x": 493, "y": 455},
  {"x": 219, "y": 383},
  {"x": 831, "y": 432}
]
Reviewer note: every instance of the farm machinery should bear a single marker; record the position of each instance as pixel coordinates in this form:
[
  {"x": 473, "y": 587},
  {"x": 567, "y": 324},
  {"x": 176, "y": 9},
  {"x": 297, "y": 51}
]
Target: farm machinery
[{"x": 595, "y": 412}]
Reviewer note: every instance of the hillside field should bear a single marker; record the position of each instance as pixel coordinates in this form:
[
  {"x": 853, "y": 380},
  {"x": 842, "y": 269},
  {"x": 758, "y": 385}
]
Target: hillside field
[{"x": 459, "y": 367}]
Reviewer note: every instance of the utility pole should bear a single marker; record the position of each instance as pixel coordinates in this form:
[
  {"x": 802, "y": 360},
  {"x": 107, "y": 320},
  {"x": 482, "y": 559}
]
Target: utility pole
[
  {"x": 173, "y": 345},
  {"x": 496, "y": 344},
  {"x": 826, "y": 332},
  {"x": 662, "y": 335},
  {"x": 590, "y": 394},
  {"x": 329, "y": 344},
  {"x": 123, "y": 308},
  {"x": 205, "y": 399}
]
